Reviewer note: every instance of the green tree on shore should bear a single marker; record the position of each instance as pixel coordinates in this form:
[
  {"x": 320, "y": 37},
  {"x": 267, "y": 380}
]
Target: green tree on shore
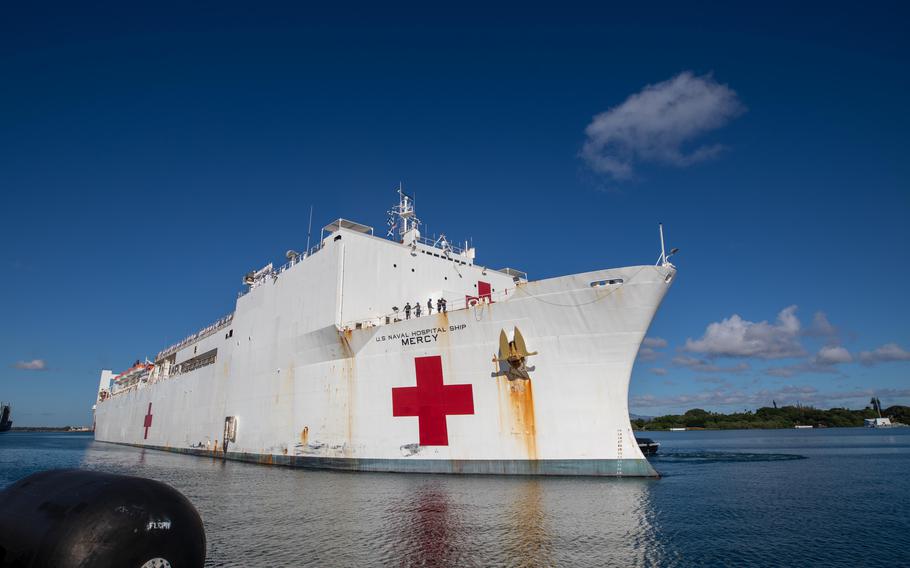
[{"x": 771, "y": 417}]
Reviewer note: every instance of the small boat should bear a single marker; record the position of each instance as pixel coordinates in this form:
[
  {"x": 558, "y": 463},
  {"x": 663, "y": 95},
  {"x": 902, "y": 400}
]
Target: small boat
[
  {"x": 647, "y": 446},
  {"x": 878, "y": 423}
]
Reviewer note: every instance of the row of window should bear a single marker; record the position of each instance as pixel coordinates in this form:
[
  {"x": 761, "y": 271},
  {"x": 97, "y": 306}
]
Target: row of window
[
  {"x": 412, "y": 270},
  {"x": 437, "y": 255}
]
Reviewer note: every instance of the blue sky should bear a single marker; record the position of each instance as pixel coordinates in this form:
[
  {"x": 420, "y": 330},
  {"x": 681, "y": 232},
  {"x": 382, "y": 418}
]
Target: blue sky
[{"x": 149, "y": 157}]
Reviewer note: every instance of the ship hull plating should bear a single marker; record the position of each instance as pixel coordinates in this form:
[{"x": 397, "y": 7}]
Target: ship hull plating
[
  {"x": 326, "y": 398},
  {"x": 631, "y": 467}
]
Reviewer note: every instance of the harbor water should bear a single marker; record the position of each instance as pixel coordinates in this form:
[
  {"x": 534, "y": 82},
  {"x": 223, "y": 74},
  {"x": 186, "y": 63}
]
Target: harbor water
[{"x": 829, "y": 497}]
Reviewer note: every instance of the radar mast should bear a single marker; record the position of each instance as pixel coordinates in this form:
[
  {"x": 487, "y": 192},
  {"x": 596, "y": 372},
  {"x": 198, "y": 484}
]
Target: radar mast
[{"x": 403, "y": 219}]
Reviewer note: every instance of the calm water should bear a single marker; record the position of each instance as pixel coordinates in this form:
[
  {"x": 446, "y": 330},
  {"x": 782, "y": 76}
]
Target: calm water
[{"x": 836, "y": 497}]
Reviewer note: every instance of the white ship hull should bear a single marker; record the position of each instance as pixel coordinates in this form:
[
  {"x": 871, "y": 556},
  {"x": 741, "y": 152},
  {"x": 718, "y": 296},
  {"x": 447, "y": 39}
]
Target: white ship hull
[{"x": 342, "y": 397}]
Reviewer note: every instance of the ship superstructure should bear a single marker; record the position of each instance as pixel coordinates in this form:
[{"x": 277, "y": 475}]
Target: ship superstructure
[{"x": 401, "y": 353}]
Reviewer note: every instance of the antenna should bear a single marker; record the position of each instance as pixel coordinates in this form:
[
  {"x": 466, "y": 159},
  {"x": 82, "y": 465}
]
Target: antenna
[
  {"x": 664, "y": 258},
  {"x": 403, "y": 219},
  {"x": 309, "y": 230},
  {"x": 663, "y": 253}
]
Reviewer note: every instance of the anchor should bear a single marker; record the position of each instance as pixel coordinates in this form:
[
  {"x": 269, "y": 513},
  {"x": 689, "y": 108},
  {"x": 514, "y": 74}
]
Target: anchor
[{"x": 515, "y": 353}]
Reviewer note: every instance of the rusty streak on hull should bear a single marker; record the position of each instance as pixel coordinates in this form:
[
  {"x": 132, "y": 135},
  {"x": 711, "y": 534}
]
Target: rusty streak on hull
[{"x": 516, "y": 412}]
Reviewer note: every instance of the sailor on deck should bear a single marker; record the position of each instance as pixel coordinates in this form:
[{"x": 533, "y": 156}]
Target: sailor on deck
[{"x": 407, "y": 311}]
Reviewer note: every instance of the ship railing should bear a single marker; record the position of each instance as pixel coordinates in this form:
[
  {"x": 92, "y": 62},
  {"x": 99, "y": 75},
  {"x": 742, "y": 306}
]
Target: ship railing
[
  {"x": 198, "y": 336},
  {"x": 463, "y": 303},
  {"x": 124, "y": 390},
  {"x": 294, "y": 260},
  {"x": 298, "y": 258},
  {"x": 437, "y": 243}
]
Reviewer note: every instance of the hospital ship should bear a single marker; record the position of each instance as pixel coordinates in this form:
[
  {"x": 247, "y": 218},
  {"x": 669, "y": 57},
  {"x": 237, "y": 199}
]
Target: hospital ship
[{"x": 321, "y": 366}]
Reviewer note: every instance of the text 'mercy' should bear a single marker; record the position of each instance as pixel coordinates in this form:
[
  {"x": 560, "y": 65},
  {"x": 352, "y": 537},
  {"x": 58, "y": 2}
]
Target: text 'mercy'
[{"x": 420, "y": 336}]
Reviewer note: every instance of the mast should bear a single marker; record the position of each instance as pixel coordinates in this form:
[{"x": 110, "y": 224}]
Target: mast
[
  {"x": 309, "y": 231},
  {"x": 403, "y": 219},
  {"x": 663, "y": 251}
]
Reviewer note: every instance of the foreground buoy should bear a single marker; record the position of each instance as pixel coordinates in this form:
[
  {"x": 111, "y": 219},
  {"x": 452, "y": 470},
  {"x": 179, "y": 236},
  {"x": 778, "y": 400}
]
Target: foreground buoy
[{"x": 68, "y": 517}]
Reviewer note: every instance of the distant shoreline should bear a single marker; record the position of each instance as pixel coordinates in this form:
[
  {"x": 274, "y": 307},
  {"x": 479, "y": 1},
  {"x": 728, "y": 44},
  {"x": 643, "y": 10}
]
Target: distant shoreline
[
  {"x": 772, "y": 418},
  {"x": 807, "y": 427}
]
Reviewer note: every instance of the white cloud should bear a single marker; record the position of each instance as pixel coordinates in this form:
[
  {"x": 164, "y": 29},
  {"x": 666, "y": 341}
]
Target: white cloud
[
  {"x": 659, "y": 371},
  {"x": 653, "y": 124},
  {"x": 832, "y": 355},
  {"x": 786, "y": 371},
  {"x": 825, "y": 361},
  {"x": 33, "y": 365},
  {"x": 648, "y": 350},
  {"x": 654, "y": 342},
  {"x": 647, "y": 354},
  {"x": 707, "y": 367},
  {"x": 821, "y": 327},
  {"x": 736, "y": 337},
  {"x": 885, "y": 354}
]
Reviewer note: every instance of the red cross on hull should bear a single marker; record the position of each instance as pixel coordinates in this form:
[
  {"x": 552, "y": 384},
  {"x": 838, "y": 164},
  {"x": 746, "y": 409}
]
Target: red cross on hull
[
  {"x": 148, "y": 422},
  {"x": 431, "y": 401}
]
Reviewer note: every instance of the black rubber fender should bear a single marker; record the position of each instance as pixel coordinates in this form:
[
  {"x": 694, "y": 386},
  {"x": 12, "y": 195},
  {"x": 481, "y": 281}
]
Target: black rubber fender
[{"x": 74, "y": 518}]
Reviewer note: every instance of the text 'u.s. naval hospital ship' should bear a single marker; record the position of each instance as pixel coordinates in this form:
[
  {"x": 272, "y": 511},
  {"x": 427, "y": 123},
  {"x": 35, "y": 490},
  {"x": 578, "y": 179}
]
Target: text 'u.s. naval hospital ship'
[{"x": 402, "y": 354}]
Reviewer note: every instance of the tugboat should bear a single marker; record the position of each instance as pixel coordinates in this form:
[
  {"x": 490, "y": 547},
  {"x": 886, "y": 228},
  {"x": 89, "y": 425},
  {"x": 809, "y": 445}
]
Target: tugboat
[
  {"x": 5, "y": 421},
  {"x": 647, "y": 446}
]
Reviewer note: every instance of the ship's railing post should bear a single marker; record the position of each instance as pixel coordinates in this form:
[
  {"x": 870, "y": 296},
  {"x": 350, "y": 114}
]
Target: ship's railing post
[{"x": 451, "y": 306}]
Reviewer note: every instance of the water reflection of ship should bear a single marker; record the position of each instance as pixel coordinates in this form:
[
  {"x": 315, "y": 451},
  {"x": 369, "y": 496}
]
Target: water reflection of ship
[
  {"x": 6, "y": 421},
  {"x": 527, "y": 516},
  {"x": 430, "y": 534},
  {"x": 437, "y": 528},
  {"x": 527, "y": 523}
]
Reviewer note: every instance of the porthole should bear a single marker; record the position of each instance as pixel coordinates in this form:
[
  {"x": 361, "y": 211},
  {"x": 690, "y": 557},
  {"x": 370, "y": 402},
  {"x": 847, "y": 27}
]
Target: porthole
[
  {"x": 412, "y": 270},
  {"x": 394, "y": 266}
]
